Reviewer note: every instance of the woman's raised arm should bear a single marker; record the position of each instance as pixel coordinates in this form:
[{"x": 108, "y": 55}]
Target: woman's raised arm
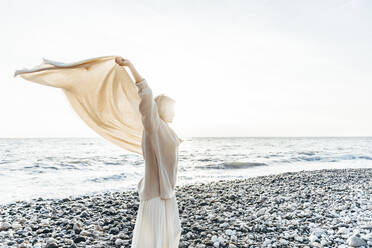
[
  {"x": 125, "y": 62},
  {"x": 147, "y": 106}
]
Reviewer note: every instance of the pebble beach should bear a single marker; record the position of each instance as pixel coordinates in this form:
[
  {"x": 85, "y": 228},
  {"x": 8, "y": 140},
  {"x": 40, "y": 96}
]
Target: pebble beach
[{"x": 321, "y": 208}]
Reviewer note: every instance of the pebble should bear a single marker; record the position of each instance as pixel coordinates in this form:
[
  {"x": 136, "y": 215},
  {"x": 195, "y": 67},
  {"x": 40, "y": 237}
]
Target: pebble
[
  {"x": 324, "y": 208},
  {"x": 356, "y": 241},
  {"x": 119, "y": 242},
  {"x": 5, "y": 226}
]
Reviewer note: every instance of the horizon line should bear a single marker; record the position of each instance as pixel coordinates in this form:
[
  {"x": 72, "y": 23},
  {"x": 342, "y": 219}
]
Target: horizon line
[{"x": 78, "y": 137}]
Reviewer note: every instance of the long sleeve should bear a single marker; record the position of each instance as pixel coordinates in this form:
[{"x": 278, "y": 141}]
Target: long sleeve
[
  {"x": 148, "y": 107},
  {"x": 162, "y": 157}
]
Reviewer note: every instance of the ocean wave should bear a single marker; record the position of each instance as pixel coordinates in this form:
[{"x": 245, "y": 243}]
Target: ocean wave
[
  {"x": 113, "y": 163},
  {"x": 352, "y": 157},
  {"x": 204, "y": 159},
  {"x": 231, "y": 165},
  {"x": 117, "y": 177},
  {"x": 307, "y": 153},
  {"x": 41, "y": 168},
  {"x": 6, "y": 161},
  {"x": 75, "y": 164},
  {"x": 365, "y": 157},
  {"x": 324, "y": 158}
]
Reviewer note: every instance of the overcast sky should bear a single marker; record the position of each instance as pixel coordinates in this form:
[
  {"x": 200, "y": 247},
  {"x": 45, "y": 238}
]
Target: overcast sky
[{"x": 235, "y": 68}]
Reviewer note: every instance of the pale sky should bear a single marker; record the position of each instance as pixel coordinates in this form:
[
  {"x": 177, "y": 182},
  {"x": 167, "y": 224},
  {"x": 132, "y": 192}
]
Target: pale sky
[{"x": 235, "y": 68}]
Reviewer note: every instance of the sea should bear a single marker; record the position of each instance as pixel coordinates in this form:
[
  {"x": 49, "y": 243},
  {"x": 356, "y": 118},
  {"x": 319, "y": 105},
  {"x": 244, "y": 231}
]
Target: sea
[{"x": 61, "y": 167}]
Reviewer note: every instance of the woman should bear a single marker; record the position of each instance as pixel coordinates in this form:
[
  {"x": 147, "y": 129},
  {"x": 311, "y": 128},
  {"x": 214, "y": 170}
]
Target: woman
[{"x": 157, "y": 224}]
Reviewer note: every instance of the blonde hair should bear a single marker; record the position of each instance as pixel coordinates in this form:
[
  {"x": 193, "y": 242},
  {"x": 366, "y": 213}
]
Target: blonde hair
[{"x": 163, "y": 101}]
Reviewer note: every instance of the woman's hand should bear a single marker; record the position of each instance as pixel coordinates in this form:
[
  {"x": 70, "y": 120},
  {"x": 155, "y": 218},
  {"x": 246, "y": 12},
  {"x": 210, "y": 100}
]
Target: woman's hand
[
  {"x": 122, "y": 62},
  {"x": 125, "y": 62}
]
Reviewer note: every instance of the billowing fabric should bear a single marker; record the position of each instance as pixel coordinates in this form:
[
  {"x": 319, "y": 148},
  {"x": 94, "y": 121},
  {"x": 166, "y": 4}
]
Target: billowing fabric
[
  {"x": 157, "y": 224},
  {"x": 101, "y": 92},
  {"x": 125, "y": 113},
  {"x": 159, "y": 148}
]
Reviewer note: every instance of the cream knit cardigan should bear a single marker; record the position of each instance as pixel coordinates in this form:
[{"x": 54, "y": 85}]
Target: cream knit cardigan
[{"x": 159, "y": 147}]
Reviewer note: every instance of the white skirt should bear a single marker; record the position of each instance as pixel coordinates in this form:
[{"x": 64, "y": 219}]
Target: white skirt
[{"x": 157, "y": 224}]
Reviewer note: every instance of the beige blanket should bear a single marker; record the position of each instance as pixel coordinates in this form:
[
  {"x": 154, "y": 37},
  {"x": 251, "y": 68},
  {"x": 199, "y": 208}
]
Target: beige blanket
[{"x": 101, "y": 92}]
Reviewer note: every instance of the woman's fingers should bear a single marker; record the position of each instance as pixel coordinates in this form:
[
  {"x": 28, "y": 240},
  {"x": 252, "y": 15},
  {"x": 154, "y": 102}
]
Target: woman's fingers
[
  {"x": 121, "y": 61},
  {"x": 118, "y": 60}
]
